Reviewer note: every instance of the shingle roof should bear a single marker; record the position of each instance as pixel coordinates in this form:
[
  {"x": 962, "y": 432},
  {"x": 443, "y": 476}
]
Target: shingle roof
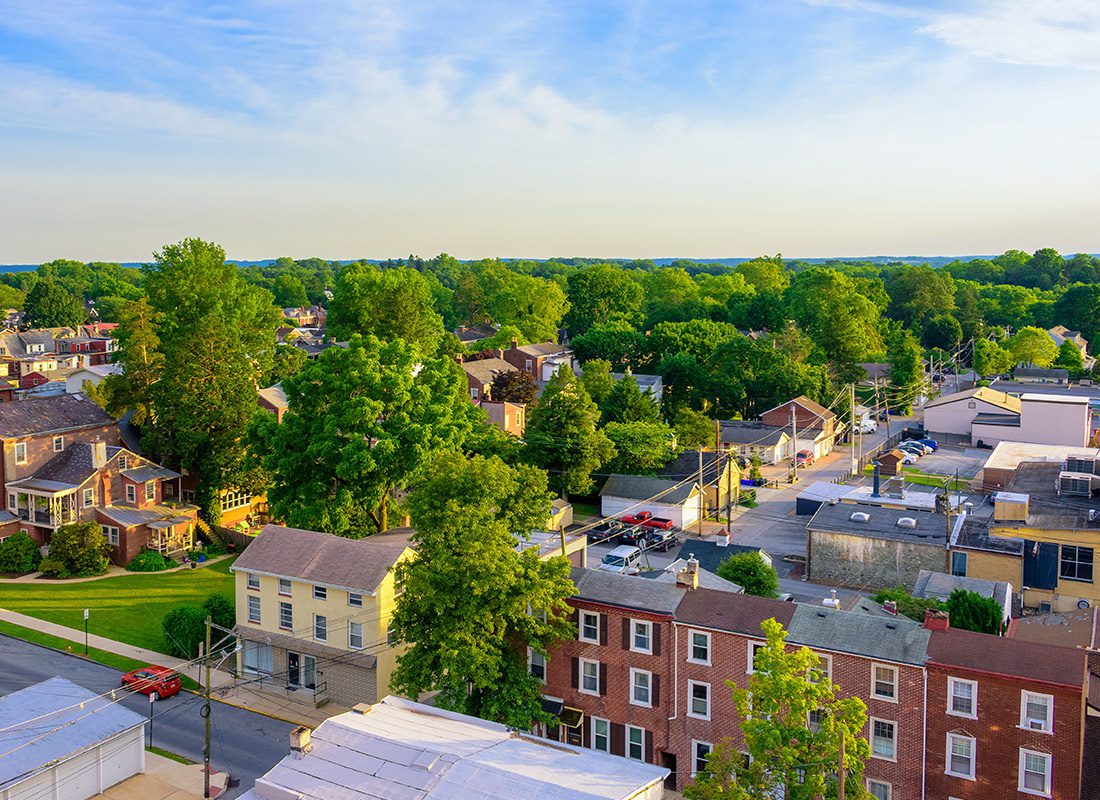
[
  {"x": 812, "y": 406},
  {"x": 49, "y": 414},
  {"x": 1038, "y": 372},
  {"x": 486, "y": 369},
  {"x": 627, "y": 591},
  {"x": 711, "y": 554},
  {"x": 706, "y": 579},
  {"x": 27, "y": 751},
  {"x": 738, "y": 613},
  {"x": 275, "y": 396},
  {"x": 1068, "y": 629},
  {"x": 686, "y": 465},
  {"x": 747, "y": 432},
  {"x": 940, "y": 585},
  {"x": 641, "y": 487},
  {"x": 73, "y": 466},
  {"x": 323, "y": 558},
  {"x": 890, "y": 639},
  {"x": 1011, "y": 657},
  {"x": 983, "y": 393},
  {"x": 543, "y": 349}
]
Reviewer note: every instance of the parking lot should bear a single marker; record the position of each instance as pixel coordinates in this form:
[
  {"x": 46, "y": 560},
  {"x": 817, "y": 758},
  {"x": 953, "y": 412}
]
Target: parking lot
[{"x": 967, "y": 461}]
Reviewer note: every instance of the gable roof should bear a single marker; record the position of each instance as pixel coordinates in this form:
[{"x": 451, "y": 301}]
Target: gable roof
[
  {"x": 50, "y": 414},
  {"x": 1078, "y": 628},
  {"x": 940, "y": 585},
  {"x": 485, "y": 369},
  {"x": 888, "y": 638},
  {"x": 626, "y": 591},
  {"x": 71, "y": 467},
  {"x": 812, "y": 406},
  {"x": 737, "y": 613},
  {"x": 642, "y": 487},
  {"x": 983, "y": 393},
  {"x": 543, "y": 349},
  {"x": 323, "y": 558},
  {"x": 1009, "y": 657},
  {"x": 744, "y": 432},
  {"x": 686, "y": 465},
  {"x": 275, "y": 396}
]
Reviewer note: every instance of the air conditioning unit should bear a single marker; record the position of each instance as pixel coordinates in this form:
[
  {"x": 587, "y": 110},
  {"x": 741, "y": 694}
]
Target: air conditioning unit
[
  {"x": 1075, "y": 484},
  {"x": 1084, "y": 464},
  {"x": 860, "y": 516},
  {"x": 1036, "y": 724}
]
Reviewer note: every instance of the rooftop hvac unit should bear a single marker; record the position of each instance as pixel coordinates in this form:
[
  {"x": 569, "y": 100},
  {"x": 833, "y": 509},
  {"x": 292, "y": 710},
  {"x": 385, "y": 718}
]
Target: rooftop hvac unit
[
  {"x": 1085, "y": 464},
  {"x": 860, "y": 516},
  {"x": 1075, "y": 484},
  {"x": 907, "y": 522}
]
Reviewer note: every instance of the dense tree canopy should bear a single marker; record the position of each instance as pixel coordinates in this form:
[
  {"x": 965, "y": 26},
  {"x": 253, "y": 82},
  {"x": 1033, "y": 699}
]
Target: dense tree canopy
[
  {"x": 49, "y": 305},
  {"x": 390, "y": 304}
]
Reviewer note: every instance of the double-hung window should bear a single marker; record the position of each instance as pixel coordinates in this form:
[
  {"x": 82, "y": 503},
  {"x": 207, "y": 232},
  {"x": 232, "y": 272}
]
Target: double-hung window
[
  {"x": 1035, "y": 772},
  {"x": 698, "y": 700},
  {"x": 884, "y": 683},
  {"x": 89, "y": 497},
  {"x": 960, "y": 756},
  {"x": 320, "y": 627},
  {"x": 883, "y": 739},
  {"x": 699, "y": 753},
  {"x": 536, "y": 664},
  {"x": 589, "y": 627},
  {"x": 20, "y": 452},
  {"x": 355, "y": 599},
  {"x": 111, "y": 532},
  {"x": 58, "y": 444},
  {"x": 601, "y": 735},
  {"x": 320, "y": 593},
  {"x": 284, "y": 586},
  {"x": 131, "y": 493},
  {"x": 699, "y": 647},
  {"x": 1037, "y": 712},
  {"x": 635, "y": 742},
  {"x": 589, "y": 676},
  {"x": 641, "y": 636},
  {"x": 754, "y": 648},
  {"x": 253, "y": 580},
  {"x": 355, "y": 635},
  {"x": 880, "y": 790},
  {"x": 150, "y": 490},
  {"x": 286, "y": 616},
  {"x": 253, "y": 608},
  {"x": 641, "y": 684},
  {"x": 962, "y": 698}
]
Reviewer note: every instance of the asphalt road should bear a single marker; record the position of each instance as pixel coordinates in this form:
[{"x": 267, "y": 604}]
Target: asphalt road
[{"x": 245, "y": 744}]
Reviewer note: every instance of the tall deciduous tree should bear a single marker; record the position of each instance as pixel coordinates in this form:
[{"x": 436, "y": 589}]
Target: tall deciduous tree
[
  {"x": 601, "y": 294},
  {"x": 361, "y": 423},
  {"x": 641, "y": 448},
  {"x": 834, "y": 313},
  {"x": 139, "y": 352},
  {"x": 390, "y": 304},
  {"x": 906, "y": 368},
  {"x": 1032, "y": 346},
  {"x": 1069, "y": 357},
  {"x": 289, "y": 292},
  {"x": 562, "y": 437},
  {"x": 751, "y": 571},
  {"x": 990, "y": 358},
  {"x": 790, "y": 755},
  {"x": 48, "y": 305},
  {"x": 597, "y": 379},
  {"x": 471, "y": 604}
]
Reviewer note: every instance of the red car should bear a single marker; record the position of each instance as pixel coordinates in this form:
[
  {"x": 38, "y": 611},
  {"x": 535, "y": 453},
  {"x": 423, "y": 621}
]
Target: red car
[
  {"x": 662, "y": 523},
  {"x": 805, "y": 458},
  {"x": 637, "y": 519},
  {"x": 157, "y": 682}
]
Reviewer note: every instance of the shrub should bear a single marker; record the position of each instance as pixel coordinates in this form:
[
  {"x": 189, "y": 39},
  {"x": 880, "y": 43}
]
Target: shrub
[
  {"x": 81, "y": 548},
  {"x": 748, "y": 498},
  {"x": 19, "y": 553},
  {"x": 53, "y": 568},
  {"x": 220, "y": 610},
  {"x": 973, "y": 612},
  {"x": 909, "y": 606},
  {"x": 184, "y": 628},
  {"x": 751, "y": 571},
  {"x": 148, "y": 561}
]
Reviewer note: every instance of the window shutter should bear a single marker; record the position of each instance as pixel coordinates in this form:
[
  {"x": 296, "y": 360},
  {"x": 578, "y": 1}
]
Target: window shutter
[
  {"x": 618, "y": 739},
  {"x": 648, "y": 737},
  {"x": 603, "y": 629},
  {"x": 626, "y": 634},
  {"x": 574, "y": 617},
  {"x": 576, "y": 672},
  {"x": 656, "y": 699},
  {"x": 656, "y": 638},
  {"x": 603, "y": 678},
  {"x": 586, "y": 732}
]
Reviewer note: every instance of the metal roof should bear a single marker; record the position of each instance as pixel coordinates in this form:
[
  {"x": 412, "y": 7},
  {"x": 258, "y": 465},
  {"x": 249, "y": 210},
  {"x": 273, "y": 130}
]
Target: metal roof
[
  {"x": 148, "y": 472},
  {"x": 401, "y": 750},
  {"x": 39, "y": 745},
  {"x": 940, "y": 585},
  {"x": 128, "y": 516}
]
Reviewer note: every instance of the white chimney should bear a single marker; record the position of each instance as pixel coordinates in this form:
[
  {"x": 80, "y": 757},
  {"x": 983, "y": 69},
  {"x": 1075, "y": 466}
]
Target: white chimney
[
  {"x": 723, "y": 539},
  {"x": 99, "y": 454},
  {"x": 300, "y": 740}
]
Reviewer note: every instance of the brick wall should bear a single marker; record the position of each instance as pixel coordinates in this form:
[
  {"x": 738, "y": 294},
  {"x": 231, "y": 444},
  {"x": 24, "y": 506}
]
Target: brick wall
[
  {"x": 40, "y": 449},
  {"x": 851, "y": 560}
]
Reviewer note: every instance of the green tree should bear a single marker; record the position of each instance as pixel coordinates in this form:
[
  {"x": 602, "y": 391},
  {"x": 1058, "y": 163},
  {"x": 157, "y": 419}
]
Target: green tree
[
  {"x": 287, "y": 362},
  {"x": 601, "y": 294},
  {"x": 184, "y": 628},
  {"x": 289, "y": 292},
  {"x": 626, "y": 402},
  {"x": 670, "y": 294},
  {"x": 641, "y": 448},
  {"x": 765, "y": 273},
  {"x": 390, "y": 304},
  {"x": 906, "y": 368},
  {"x": 694, "y": 430},
  {"x": 917, "y": 293},
  {"x": 362, "y": 422},
  {"x": 597, "y": 379},
  {"x": 619, "y": 343},
  {"x": 79, "y": 550},
  {"x": 48, "y": 305},
  {"x": 1079, "y": 309},
  {"x": 533, "y": 305},
  {"x": 471, "y": 604},
  {"x": 10, "y": 297},
  {"x": 990, "y": 358},
  {"x": 842, "y": 322},
  {"x": 1083, "y": 268},
  {"x": 1069, "y": 357},
  {"x": 139, "y": 350},
  {"x": 943, "y": 332},
  {"x": 219, "y": 609},
  {"x": 790, "y": 756},
  {"x": 751, "y": 571},
  {"x": 1032, "y": 346},
  {"x": 973, "y": 612},
  {"x": 514, "y": 387},
  {"x": 111, "y": 308},
  {"x": 562, "y": 437}
]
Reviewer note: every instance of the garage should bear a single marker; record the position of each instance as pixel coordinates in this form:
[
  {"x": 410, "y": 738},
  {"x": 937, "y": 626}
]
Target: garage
[{"x": 661, "y": 497}]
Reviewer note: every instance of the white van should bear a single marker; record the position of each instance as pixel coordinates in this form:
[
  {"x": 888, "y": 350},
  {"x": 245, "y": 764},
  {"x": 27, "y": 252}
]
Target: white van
[
  {"x": 624, "y": 559},
  {"x": 868, "y": 426}
]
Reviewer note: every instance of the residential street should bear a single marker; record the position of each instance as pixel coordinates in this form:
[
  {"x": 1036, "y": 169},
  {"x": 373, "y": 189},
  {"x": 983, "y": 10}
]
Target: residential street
[{"x": 246, "y": 745}]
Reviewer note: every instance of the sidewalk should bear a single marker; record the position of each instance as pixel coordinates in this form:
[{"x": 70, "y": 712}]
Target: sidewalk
[{"x": 165, "y": 779}]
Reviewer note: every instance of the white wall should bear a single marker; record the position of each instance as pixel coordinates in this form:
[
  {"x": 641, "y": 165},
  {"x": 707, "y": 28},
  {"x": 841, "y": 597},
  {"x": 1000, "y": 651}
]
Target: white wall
[
  {"x": 957, "y": 416},
  {"x": 681, "y": 515},
  {"x": 88, "y": 773}
]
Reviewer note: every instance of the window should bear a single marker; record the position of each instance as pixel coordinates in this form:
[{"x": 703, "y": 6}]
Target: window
[
  {"x": 814, "y": 718},
  {"x": 590, "y": 676},
  {"x": 753, "y": 648},
  {"x": 111, "y": 532},
  {"x": 1035, "y": 772},
  {"x": 21, "y": 453},
  {"x": 473, "y": 393},
  {"x": 253, "y": 608},
  {"x": 13, "y": 501},
  {"x": 883, "y": 744},
  {"x": 284, "y": 586},
  {"x": 286, "y": 616},
  {"x": 131, "y": 493},
  {"x": 699, "y": 700},
  {"x": 89, "y": 497},
  {"x": 640, "y": 683},
  {"x": 700, "y": 647},
  {"x": 320, "y": 627},
  {"x": 590, "y": 627},
  {"x": 1037, "y": 712},
  {"x": 960, "y": 756},
  {"x": 884, "y": 682},
  {"x": 536, "y": 664},
  {"x": 253, "y": 580},
  {"x": 320, "y": 593},
  {"x": 879, "y": 790},
  {"x": 699, "y": 753},
  {"x": 826, "y": 667},
  {"x": 123, "y": 461},
  {"x": 601, "y": 735},
  {"x": 150, "y": 490},
  {"x": 962, "y": 698},
  {"x": 355, "y": 635},
  {"x": 58, "y": 444},
  {"x": 1076, "y": 564},
  {"x": 635, "y": 743},
  {"x": 958, "y": 564},
  {"x": 641, "y": 636},
  {"x": 391, "y": 635},
  {"x": 235, "y": 498},
  {"x": 257, "y": 657},
  {"x": 355, "y": 599}
]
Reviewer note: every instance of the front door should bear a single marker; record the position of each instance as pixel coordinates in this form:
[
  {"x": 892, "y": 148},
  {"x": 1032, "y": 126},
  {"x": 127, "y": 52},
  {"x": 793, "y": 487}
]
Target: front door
[
  {"x": 301, "y": 671},
  {"x": 293, "y": 670}
]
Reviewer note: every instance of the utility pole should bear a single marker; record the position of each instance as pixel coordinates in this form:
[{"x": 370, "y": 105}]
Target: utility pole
[
  {"x": 886, "y": 404},
  {"x": 794, "y": 443},
  {"x": 702, "y": 490},
  {"x": 206, "y": 715},
  {"x": 852, "y": 422},
  {"x": 840, "y": 770}
]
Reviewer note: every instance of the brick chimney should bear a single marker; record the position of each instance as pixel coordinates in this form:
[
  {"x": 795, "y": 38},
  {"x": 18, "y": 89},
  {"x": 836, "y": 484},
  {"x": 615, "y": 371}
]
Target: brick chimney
[
  {"x": 936, "y": 620},
  {"x": 515, "y": 343},
  {"x": 688, "y": 576},
  {"x": 105, "y": 498}
]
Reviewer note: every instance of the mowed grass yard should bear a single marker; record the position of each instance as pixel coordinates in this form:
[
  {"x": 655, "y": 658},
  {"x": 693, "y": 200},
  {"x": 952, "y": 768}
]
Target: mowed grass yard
[{"x": 128, "y": 608}]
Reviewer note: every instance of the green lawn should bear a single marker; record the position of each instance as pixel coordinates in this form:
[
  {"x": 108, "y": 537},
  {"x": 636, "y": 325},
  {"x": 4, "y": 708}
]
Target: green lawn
[
  {"x": 128, "y": 608},
  {"x": 585, "y": 509},
  {"x": 914, "y": 475}
]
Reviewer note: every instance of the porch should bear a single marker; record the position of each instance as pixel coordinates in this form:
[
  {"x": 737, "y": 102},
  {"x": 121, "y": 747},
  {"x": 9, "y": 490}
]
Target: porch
[{"x": 41, "y": 505}]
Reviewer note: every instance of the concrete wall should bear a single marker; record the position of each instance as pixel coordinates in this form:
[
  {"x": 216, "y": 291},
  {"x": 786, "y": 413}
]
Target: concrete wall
[{"x": 870, "y": 563}]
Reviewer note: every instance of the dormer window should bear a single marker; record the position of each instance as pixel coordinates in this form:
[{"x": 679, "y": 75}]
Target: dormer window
[
  {"x": 131, "y": 493},
  {"x": 58, "y": 444},
  {"x": 123, "y": 462},
  {"x": 150, "y": 490}
]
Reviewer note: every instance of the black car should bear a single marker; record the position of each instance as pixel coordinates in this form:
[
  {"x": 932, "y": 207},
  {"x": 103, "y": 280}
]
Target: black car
[
  {"x": 656, "y": 539},
  {"x": 633, "y": 535},
  {"x": 605, "y": 531}
]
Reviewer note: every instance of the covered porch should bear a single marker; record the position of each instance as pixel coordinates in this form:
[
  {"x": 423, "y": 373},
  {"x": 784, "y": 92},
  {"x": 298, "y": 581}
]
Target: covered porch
[{"x": 49, "y": 504}]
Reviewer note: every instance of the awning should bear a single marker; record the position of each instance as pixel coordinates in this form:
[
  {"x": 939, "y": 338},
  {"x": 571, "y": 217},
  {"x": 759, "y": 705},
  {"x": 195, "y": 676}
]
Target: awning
[
  {"x": 571, "y": 717},
  {"x": 552, "y": 706}
]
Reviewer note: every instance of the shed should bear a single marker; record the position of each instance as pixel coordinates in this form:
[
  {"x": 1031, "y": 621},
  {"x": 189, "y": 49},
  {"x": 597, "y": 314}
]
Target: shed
[
  {"x": 890, "y": 462},
  {"x": 662, "y": 497},
  {"x": 61, "y": 740}
]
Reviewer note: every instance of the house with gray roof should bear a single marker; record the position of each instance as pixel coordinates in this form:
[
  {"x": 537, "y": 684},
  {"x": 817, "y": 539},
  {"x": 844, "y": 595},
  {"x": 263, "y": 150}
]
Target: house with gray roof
[
  {"x": 939, "y": 585},
  {"x": 748, "y": 438},
  {"x": 677, "y": 500}
]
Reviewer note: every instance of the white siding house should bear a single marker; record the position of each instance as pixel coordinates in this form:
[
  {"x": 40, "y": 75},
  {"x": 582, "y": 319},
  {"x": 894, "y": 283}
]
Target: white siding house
[{"x": 662, "y": 497}]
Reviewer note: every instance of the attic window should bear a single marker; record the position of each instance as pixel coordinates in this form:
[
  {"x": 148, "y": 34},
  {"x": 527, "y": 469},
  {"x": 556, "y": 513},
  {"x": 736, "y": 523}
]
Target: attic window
[{"x": 860, "y": 516}]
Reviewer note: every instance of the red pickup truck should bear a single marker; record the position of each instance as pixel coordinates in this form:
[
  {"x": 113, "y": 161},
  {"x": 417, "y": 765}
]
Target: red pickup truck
[
  {"x": 637, "y": 519},
  {"x": 660, "y": 523}
]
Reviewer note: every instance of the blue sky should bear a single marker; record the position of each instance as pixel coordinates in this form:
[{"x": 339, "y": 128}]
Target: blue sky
[{"x": 358, "y": 128}]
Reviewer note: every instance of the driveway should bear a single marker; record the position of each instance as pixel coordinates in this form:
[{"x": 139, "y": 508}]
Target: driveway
[{"x": 244, "y": 744}]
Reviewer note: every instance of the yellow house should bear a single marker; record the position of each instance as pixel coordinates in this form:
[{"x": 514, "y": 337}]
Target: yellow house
[{"x": 314, "y": 611}]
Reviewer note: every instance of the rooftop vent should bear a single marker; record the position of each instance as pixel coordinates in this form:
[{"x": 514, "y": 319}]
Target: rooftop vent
[
  {"x": 907, "y": 522},
  {"x": 860, "y": 516}
]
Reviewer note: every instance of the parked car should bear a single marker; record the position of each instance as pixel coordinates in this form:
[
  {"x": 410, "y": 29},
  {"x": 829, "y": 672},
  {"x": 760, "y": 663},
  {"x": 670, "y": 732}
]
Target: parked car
[
  {"x": 917, "y": 447},
  {"x": 662, "y": 523},
  {"x": 157, "y": 682},
  {"x": 908, "y": 458},
  {"x": 868, "y": 426},
  {"x": 659, "y": 539},
  {"x": 631, "y": 534},
  {"x": 624, "y": 559},
  {"x": 912, "y": 447},
  {"x": 930, "y": 443},
  {"x": 804, "y": 458},
  {"x": 638, "y": 518},
  {"x": 605, "y": 531}
]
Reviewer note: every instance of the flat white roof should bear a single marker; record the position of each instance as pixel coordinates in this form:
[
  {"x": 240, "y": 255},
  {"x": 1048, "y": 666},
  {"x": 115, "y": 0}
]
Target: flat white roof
[
  {"x": 1008, "y": 455},
  {"x": 1039, "y": 397},
  {"x": 401, "y": 750},
  {"x": 1011, "y": 497}
]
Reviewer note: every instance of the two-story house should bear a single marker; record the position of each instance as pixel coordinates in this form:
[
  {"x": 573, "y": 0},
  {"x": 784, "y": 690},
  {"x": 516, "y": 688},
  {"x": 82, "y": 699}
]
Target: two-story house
[
  {"x": 540, "y": 360},
  {"x": 815, "y": 426},
  {"x": 314, "y": 611},
  {"x": 90, "y": 350}
]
